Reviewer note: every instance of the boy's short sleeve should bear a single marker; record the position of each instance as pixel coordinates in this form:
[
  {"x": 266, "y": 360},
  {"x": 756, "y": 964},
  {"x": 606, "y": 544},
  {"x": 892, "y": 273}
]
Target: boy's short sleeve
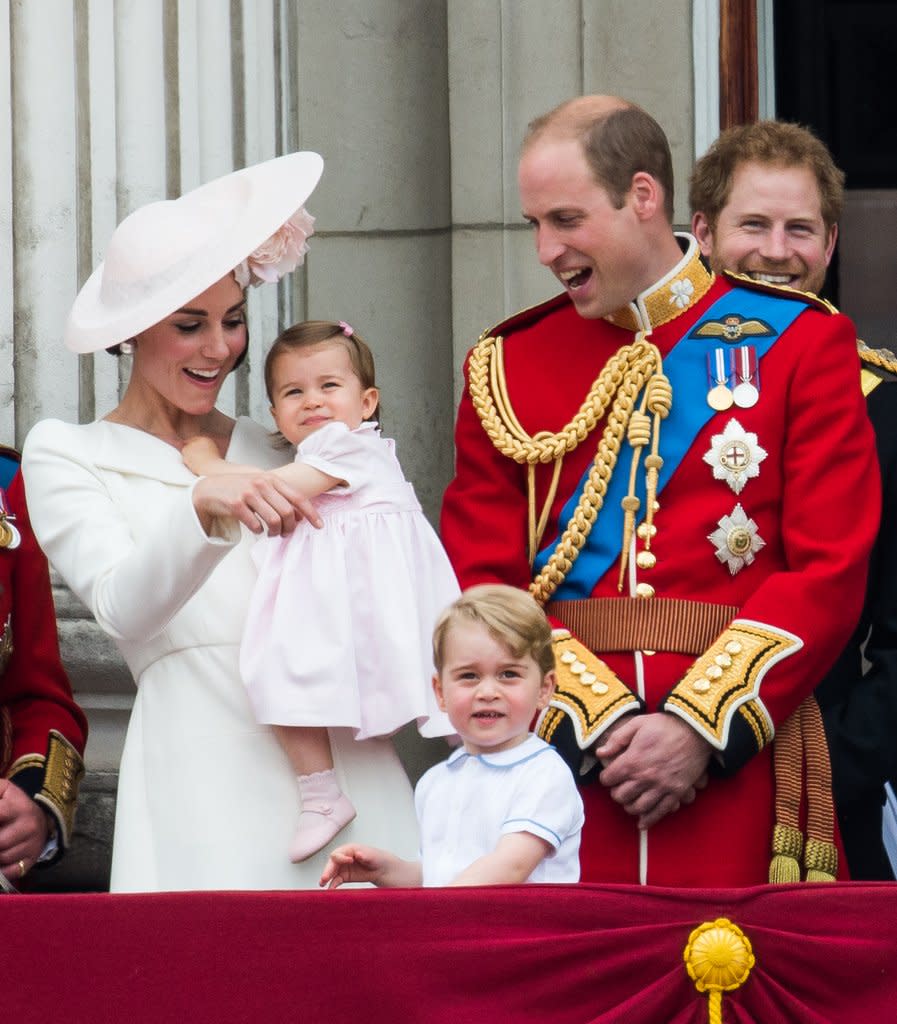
[
  {"x": 546, "y": 801},
  {"x": 467, "y": 803}
]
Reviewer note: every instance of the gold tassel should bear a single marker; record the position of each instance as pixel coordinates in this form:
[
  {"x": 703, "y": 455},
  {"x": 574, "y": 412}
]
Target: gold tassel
[
  {"x": 787, "y": 837},
  {"x": 787, "y": 847},
  {"x": 659, "y": 401},
  {"x": 638, "y": 436},
  {"x": 630, "y": 506},
  {"x": 821, "y": 860},
  {"x": 820, "y": 852}
]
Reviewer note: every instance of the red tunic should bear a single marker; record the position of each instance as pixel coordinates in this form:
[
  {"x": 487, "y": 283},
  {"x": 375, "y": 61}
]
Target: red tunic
[
  {"x": 44, "y": 731},
  {"x": 815, "y": 505}
]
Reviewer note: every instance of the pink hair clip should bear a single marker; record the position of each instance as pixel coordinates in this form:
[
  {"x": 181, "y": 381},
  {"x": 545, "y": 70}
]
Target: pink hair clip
[{"x": 346, "y": 328}]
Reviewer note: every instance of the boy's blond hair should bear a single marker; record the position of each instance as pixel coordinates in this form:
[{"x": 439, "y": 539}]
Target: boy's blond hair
[{"x": 512, "y": 616}]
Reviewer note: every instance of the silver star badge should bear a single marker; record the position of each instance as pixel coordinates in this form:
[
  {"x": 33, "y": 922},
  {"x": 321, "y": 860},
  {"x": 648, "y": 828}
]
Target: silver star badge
[
  {"x": 735, "y": 456},
  {"x": 736, "y": 540}
]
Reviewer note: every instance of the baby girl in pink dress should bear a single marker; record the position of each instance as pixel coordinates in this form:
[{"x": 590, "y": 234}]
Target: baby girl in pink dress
[{"x": 340, "y": 620}]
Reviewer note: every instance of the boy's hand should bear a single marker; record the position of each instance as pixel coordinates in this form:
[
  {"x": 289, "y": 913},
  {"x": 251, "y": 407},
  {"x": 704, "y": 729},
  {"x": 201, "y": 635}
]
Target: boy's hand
[{"x": 352, "y": 863}]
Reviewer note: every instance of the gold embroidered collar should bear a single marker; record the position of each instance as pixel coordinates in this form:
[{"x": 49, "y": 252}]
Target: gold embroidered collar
[{"x": 687, "y": 283}]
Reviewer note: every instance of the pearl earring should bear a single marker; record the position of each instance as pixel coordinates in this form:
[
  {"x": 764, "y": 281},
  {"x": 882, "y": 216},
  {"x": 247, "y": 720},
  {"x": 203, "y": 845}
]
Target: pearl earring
[{"x": 126, "y": 348}]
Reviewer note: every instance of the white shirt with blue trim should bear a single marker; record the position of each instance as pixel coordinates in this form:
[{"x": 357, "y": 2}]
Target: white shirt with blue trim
[{"x": 467, "y": 803}]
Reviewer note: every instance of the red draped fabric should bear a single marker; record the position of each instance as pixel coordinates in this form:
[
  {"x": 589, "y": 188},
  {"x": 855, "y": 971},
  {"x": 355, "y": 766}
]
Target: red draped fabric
[{"x": 558, "y": 954}]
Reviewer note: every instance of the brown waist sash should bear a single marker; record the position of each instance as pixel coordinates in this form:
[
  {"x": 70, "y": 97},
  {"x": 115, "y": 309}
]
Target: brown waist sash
[{"x": 643, "y": 624}]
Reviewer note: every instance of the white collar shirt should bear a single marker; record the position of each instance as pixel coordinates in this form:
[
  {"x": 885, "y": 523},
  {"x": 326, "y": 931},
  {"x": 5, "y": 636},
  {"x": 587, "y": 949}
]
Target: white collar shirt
[{"x": 468, "y": 802}]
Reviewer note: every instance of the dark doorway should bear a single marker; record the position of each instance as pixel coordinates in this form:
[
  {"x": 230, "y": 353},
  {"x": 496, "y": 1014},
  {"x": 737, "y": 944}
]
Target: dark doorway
[{"x": 836, "y": 71}]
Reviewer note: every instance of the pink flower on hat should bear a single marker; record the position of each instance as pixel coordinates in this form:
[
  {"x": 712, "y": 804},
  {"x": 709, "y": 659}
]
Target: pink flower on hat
[{"x": 278, "y": 255}]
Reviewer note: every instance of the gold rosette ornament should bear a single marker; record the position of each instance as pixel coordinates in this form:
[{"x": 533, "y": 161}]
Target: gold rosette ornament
[{"x": 718, "y": 959}]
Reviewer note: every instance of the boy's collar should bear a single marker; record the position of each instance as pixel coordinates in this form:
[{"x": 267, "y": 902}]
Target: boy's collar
[{"x": 502, "y": 758}]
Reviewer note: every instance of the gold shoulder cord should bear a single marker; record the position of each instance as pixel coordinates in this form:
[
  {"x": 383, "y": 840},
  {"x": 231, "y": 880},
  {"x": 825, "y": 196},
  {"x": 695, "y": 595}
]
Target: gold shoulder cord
[
  {"x": 881, "y": 357},
  {"x": 633, "y": 369}
]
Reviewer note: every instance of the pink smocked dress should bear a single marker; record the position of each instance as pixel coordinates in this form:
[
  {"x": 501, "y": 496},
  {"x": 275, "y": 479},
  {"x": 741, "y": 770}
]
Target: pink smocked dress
[{"x": 340, "y": 622}]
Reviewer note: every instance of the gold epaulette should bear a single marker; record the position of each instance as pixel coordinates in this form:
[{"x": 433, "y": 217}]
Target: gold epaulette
[
  {"x": 783, "y": 290},
  {"x": 588, "y": 692},
  {"x": 726, "y": 679},
  {"x": 880, "y": 358},
  {"x": 869, "y": 381},
  {"x": 879, "y": 364}
]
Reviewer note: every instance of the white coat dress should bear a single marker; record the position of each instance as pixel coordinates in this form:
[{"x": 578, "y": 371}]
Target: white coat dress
[{"x": 206, "y": 798}]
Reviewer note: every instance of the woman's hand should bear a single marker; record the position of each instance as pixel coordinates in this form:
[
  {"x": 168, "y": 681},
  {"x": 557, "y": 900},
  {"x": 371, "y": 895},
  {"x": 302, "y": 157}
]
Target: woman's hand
[{"x": 260, "y": 500}]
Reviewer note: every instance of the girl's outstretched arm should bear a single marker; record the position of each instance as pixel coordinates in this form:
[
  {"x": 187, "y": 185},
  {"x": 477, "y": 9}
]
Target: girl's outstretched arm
[
  {"x": 201, "y": 456},
  {"x": 513, "y": 860},
  {"x": 264, "y": 500},
  {"x": 354, "y": 863}
]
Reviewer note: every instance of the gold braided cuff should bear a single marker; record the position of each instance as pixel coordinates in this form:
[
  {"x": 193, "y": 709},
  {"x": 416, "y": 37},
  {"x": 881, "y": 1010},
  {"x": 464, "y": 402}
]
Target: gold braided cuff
[
  {"x": 726, "y": 679},
  {"x": 63, "y": 772},
  {"x": 587, "y": 692},
  {"x": 756, "y": 717}
]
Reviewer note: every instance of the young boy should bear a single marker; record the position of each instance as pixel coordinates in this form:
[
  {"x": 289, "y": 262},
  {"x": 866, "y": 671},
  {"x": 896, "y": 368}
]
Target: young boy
[{"x": 504, "y": 807}]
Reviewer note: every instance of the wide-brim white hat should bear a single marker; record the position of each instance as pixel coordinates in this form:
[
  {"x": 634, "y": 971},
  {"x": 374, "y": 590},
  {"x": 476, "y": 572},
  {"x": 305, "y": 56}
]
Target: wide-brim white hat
[{"x": 166, "y": 253}]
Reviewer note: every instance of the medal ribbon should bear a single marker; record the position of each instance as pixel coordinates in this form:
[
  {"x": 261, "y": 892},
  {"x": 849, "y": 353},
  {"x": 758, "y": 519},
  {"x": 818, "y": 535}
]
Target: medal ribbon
[
  {"x": 686, "y": 367},
  {"x": 716, "y": 366},
  {"x": 745, "y": 366}
]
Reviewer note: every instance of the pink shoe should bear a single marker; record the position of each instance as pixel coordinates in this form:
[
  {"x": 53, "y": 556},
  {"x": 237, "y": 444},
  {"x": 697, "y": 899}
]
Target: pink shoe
[{"x": 325, "y": 810}]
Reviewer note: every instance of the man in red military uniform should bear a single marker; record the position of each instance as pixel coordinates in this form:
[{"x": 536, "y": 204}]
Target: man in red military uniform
[
  {"x": 42, "y": 730},
  {"x": 680, "y": 467},
  {"x": 766, "y": 199}
]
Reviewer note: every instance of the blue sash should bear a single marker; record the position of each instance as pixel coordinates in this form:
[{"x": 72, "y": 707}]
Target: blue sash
[
  {"x": 686, "y": 367},
  {"x": 9, "y": 466}
]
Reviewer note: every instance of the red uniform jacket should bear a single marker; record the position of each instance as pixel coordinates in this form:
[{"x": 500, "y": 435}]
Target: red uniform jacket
[
  {"x": 813, "y": 504},
  {"x": 43, "y": 730}
]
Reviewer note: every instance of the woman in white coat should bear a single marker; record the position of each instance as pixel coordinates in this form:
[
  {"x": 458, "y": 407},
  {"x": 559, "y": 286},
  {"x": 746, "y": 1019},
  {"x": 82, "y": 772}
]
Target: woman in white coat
[{"x": 206, "y": 798}]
